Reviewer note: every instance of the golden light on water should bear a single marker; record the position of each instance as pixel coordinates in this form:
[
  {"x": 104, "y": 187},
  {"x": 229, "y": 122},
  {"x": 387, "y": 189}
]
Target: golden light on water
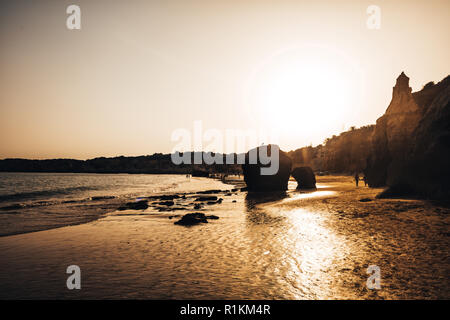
[
  {"x": 307, "y": 195},
  {"x": 315, "y": 252}
]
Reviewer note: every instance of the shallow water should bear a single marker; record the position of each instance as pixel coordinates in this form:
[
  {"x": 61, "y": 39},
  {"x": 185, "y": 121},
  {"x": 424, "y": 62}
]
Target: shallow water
[
  {"x": 41, "y": 201},
  {"x": 248, "y": 253}
]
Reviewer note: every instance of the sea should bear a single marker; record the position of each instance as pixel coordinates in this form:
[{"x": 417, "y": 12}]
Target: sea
[{"x": 39, "y": 201}]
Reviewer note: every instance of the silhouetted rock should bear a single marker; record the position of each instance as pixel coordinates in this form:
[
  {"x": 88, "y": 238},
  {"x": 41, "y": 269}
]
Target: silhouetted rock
[
  {"x": 138, "y": 205},
  {"x": 305, "y": 177},
  {"x": 192, "y": 219},
  {"x": 426, "y": 172},
  {"x": 412, "y": 143},
  {"x": 392, "y": 136},
  {"x": 256, "y": 180}
]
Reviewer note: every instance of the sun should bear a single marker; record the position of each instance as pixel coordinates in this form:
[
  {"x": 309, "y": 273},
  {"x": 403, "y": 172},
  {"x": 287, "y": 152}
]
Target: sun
[{"x": 308, "y": 94}]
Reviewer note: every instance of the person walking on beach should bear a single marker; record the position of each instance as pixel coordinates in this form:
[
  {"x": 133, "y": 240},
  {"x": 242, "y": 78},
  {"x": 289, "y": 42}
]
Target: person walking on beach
[
  {"x": 356, "y": 178},
  {"x": 365, "y": 180}
]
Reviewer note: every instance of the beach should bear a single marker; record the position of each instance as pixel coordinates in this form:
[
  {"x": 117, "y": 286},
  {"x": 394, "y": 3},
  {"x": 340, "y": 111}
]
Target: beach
[{"x": 287, "y": 245}]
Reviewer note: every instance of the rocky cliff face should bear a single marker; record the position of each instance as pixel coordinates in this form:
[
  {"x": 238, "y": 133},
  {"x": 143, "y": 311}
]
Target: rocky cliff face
[
  {"x": 427, "y": 171},
  {"x": 392, "y": 136},
  {"x": 411, "y": 136}
]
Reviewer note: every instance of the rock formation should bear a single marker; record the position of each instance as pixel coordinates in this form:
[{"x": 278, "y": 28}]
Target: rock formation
[
  {"x": 191, "y": 219},
  {"x": 411, "y": 141},
  {"x": 137, "y": 205},
  {"x": 256, "y": 181},
  {"x": 305, "y": 177},
  {"x": 392, "y": 136}
]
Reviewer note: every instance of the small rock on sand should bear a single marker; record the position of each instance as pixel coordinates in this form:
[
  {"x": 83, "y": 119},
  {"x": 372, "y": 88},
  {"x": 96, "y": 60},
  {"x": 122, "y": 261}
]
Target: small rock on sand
[
  {"x": 138, "y": 205},
  {"x": 194, "y": 218}
]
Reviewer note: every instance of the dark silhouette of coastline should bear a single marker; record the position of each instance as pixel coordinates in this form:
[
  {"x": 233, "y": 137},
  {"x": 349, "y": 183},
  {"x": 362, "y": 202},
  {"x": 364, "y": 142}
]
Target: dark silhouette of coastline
[
  {"x": 407, "y": 150},
  {"x": 157, "y": 163}
]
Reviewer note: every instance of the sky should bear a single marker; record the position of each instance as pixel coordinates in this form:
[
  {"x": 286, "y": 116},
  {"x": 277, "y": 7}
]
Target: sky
[{"x": 139, "y": 74}]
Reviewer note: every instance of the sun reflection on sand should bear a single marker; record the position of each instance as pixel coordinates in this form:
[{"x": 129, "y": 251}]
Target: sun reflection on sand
[
  {"x": 304, "y": 247},
  {"x": 308, "y": 195},
  {"x": 315, "y": 248}
]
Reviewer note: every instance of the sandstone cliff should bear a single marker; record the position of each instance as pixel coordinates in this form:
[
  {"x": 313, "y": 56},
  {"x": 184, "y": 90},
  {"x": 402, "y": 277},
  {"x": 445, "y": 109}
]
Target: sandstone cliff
[{"x": 411, "y": 141}]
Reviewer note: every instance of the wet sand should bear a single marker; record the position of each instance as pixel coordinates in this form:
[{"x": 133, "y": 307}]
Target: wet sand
[{"x": 293, "y": 245}]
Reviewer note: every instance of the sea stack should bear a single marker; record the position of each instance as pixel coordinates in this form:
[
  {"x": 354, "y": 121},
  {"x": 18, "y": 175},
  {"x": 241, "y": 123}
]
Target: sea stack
[
  {"x": 305, "y": 177},
  {"x": 257, "y": 180}
]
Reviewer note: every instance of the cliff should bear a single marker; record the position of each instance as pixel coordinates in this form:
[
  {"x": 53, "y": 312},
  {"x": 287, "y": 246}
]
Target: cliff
[
  {"x": 411, "y": 140},
  {"x": 392, "y": 135},
  {"x": 345, "y": 153}
]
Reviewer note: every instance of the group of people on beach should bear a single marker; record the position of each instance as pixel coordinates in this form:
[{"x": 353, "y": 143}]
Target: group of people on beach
[{"x": 357, "y": 179}]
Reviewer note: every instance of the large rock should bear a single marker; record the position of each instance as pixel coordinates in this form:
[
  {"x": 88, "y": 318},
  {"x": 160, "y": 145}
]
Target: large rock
[
  {"x": 427, "y": 172},
  {"x": 411, "y": 155},
  {"x": 391, "y": 139},
  {"x": 305, "y": 177},
  {"x": 254, "y": 175}
]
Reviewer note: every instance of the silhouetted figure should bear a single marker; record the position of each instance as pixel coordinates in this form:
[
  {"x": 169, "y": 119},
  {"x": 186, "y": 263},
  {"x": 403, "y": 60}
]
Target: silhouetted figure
[
  {"x": 365, "y": 180},
  {"x": 356, "y": 178}
]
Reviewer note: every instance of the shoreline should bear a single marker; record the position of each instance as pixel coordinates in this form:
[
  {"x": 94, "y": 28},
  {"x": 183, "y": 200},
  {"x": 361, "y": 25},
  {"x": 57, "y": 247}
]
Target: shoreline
[
  {"x": 294, "y": 245},
  {"x": 96, "y": 207}
]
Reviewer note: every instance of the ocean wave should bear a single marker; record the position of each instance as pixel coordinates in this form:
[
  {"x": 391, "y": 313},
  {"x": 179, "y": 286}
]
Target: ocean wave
[{"x": 43, "y": 193}]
